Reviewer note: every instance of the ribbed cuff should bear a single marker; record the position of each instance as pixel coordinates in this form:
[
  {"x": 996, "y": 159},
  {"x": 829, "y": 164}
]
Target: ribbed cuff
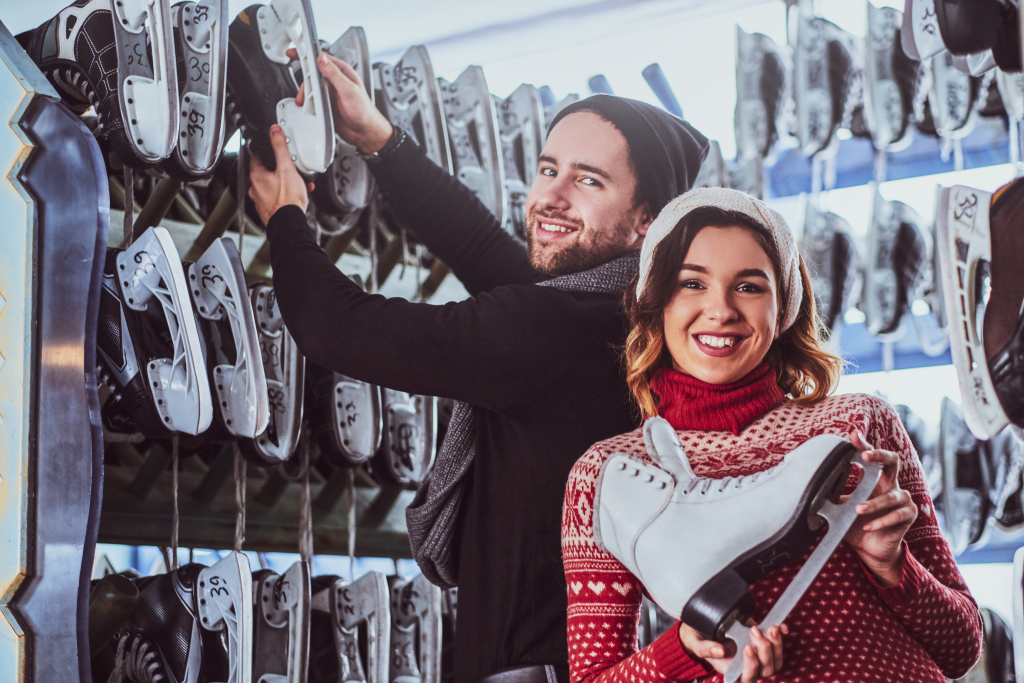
[
  {"x": 671, "y": 660},
  {"x": 284, "y": 218},
  {"x": 912, "y": 577}
]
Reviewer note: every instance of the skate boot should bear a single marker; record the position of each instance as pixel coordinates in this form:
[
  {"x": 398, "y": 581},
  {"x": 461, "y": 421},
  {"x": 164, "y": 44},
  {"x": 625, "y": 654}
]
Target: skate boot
[
  {"x": 201, "y": 46},
  {"x": 284, "y": 368},
  {"x": 472, "y": 122},
  {"x": 920, "y": 35},
  {"x": 925, "y": 439},
  {"x": 191, "y": 624},
  {"x": 263, "y": 86},
  {"x": 407, "y": 453},
  {"x": 111, "y": 602},
  {"x": 345, "y": 416},
  {"x": 713, "y": 172},
  {"x": 889, "y": 77},
  {"x": 222, "y": 307},
  {"x": 350, "y": 628},
  {"x": 410, "y": 97},
  {"x": 833, "y": 262},
  {"x": 117, "y": 57},
  {"x": 898, "y": 252},
  {"x": 521, "y": 128},
  {"x": 553, "y": 105},
  {"x": 951, "y": 96},
  {"x": 148, "y": 343},
  {"x": 641, "y": 510},
  {"x": 415, "y": 631},
  {"x": 760, "y": 88},
  {"x": 347, "y": 186},
  {"x": 980, "y": 246},
  {"x": 823, "y": 70},
  {"x": 1006, "y": 465},
  {"x": 281, "y": 625},
  {"x": 968, "y": 27},
  {"x": 966, "y": 480}
]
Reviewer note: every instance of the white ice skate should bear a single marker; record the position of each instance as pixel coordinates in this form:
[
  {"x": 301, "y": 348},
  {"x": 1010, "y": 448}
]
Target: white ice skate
[
  {"x": 951, "y": 97},
  {"x": 920, "y": 34},
  {"x": 654, "y": 518},
  {"x": 281, "y": 625},
  {"x": 224, "y": 603},
  {"x": 832, "y": 260},
  {"x": 553, "y": 105},
  {"x": 888, "y": 80},
  {"x": 761, "y": 81},
  {"x": 713, "y": 172},
  {"x": 361, "y": 626},
  {"x": 521, "y": 128},
  {"x": 407, "y": 453},
  {"x": 415, "y": 631}
]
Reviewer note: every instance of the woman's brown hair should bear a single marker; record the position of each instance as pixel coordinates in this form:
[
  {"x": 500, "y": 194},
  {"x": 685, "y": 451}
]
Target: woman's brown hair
[{"x": 805, "y": 370}]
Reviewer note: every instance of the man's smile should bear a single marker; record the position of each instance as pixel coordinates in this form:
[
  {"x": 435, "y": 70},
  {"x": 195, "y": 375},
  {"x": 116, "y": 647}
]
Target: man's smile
[{"x": 551, "y": 229}]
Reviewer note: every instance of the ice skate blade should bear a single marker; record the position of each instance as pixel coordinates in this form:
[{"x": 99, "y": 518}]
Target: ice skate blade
[
  {"x": 964, "y": 243},
  {"x": 840, "y": 518},
  {"x": 415, "y": 630},
  {"x": 203, "y": 45},
  {"x": 521, "y": 129},
  {"x": 149, "y": 271},
  {"x": 218, "y": 288},
  {"x": 364, "y": 602},
  {"x": 408, "y": 443},
  {"x": 286, "y": 605},
  {"x": 309, "y": 129},
  {"x": 357, "y": 413},
  {"x": 147, "y": 91},
  {"x": 224, "y": 597}
]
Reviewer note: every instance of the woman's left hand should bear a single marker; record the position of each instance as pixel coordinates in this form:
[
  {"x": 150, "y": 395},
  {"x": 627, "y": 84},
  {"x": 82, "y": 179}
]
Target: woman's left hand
[{"x": 885, "y": 517}]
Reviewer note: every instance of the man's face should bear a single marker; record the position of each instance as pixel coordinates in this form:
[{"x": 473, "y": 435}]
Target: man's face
[{"x": 582, "y": 209}]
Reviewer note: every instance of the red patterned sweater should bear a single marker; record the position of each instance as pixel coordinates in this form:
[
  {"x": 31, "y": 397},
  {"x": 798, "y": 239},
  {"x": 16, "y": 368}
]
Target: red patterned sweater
[{"x": 845, "y": 628}]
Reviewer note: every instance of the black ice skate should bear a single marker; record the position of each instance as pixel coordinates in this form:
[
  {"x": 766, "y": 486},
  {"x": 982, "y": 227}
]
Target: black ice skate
[
  {"x": 920, "y": 35},
  {"x": 833, "y": 262},
  {"x": 760, "y": 88},
  {"x": 119, "y": 58},
  {"x": 472, "y": 123},
  {"x": 980, "y": 245},
  {"x": 965, "y": 480},
  {"x": 823, "y": 71},
  {"x": 345, "y": 417},
  {"x": 201, "y": 48},
  {"x": 148, "y": 343},
  {"x": 895, "y": 266},
  {"x": 263, "y": 86},
  {"x": 350, "y": 630},
  {"x": 407, "y": 453},
  {"x": 281, "y": 625},
  {"x": 521, "y": 128},
  {"x": 228, "y": 329},
  {"x": 889, "y": 77},
  {"x": 410, "y": 97},
  {"x": 193, "y": 624},
  {"x": 644, "y": 515},
  {"x": 415, "y": 631},
  {"x": 284, "y": 368},
  {"x": 347, "y": 186},
  {"x": 968, "y": 27}
]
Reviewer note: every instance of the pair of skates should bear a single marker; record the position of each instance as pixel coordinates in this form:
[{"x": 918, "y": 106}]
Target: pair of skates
[
  {"x": 981, "y": 35},
  {"x": 644, "y": 511}
]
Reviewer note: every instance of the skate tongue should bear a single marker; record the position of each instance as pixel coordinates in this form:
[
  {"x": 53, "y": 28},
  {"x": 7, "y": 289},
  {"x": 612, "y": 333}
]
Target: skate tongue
[{"x": 664, "y": 448}]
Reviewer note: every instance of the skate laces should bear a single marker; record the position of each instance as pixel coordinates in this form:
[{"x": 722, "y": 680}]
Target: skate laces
[
  {"x": 138, "y": 662},
  {"x": 705, "y": 483}
]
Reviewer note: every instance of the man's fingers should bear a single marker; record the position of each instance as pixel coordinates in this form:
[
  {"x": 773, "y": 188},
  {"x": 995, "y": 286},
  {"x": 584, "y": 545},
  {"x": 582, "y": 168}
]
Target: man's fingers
[
  {"x": 342, "y": 67},
  {"x": 280, "y": 144},
  {"x": 300, "y": 96}
]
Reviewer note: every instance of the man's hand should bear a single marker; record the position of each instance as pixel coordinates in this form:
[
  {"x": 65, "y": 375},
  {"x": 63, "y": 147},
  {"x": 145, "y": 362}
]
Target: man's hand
[
  {"x": 762, "y": 658},
  {"x": 356, "y": 120},
  {"x": 877, "y": 536},
  {"x": 270, "y": 190}
]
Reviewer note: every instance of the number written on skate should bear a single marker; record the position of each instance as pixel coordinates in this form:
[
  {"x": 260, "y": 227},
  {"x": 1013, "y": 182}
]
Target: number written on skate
[
  {"x": 965, "y": 208},
  {"x": 199, "y": 69}
]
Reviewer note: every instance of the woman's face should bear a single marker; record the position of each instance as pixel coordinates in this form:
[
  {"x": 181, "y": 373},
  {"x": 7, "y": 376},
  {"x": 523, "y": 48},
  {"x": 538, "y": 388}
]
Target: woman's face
[{"x": 724, "y": 314}]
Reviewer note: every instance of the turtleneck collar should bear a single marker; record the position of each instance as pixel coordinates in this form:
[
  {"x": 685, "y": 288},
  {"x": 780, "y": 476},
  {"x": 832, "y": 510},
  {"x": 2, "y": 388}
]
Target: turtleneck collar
[{"x": 691, "y": 404}]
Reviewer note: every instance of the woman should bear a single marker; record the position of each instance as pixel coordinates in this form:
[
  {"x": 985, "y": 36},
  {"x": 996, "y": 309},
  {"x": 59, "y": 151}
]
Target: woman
[{"x": 725, "y": 344}]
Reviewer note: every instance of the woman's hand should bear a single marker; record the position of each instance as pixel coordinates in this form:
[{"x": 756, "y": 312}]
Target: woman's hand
[
  {"x": 762, "y": 658},
  {"x": 884, "y": 518}
]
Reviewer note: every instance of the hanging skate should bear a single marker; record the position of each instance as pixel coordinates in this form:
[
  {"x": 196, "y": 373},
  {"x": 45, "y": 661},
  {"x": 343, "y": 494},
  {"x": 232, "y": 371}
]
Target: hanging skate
[
  {"x": 641, "y": 510},
  {"x": 713, "y": 172},
  {"x": 345, "y": 417},
  {"x": 263, "y": 86},
  {"x": 351, "y": 629},
  {"x": 951, "y": 97},
  {"x": 410, "y": 97},
  {"x": 895, "y": 265},
  {"x": 225, "y": 605},
  {"x": 280, "y": 652},
  {"x": 553, "y": 105},
  {"x": 889, "y": 77},
  {"x": 920, "y": 35},
  {"x": 521, "y": 129},
  {"x": 415, "y": 631},
  {"x": 285, "y": 369},
  {"x": 964, "y": 502},
  {"x": 833, "y": 262},
  {"x": 761, "y": 81},
  {"x": 1006, "y": 465},
  {"x": 201, "y": 45},
  {"x": 148, "y": 343},
  {"x": 407, "y": 451},
  {"x": 472, "y": 123},
  {"x": 823, "y": 70},
  {"x": 224, "y": 311},
  {"x": 979, "y": 246}
]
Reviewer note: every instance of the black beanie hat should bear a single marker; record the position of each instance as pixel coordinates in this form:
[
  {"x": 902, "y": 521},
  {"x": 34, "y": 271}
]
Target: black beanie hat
[{"x": 667, "y": 151}]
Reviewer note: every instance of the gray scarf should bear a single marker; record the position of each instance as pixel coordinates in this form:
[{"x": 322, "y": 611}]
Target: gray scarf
[{"x": 434, "y": 510}]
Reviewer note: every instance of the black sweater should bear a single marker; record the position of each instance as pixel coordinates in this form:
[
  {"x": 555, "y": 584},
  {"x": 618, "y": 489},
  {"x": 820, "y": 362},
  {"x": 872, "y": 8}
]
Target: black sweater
[{"x": 541, "y": 363}]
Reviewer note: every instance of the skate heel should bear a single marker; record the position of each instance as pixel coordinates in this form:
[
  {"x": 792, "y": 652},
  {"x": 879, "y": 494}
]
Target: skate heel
[
  {"x": 718, "y": 604},
  {"x": 410, "y": 424},
  {"x": 224, "y": 603}
]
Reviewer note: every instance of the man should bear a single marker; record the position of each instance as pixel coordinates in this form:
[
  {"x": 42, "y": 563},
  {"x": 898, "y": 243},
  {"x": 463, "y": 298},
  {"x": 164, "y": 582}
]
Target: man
[{"x": 536, "y": 366}]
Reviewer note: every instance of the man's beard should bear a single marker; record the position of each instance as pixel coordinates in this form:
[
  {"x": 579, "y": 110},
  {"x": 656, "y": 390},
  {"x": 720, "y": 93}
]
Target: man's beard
[{"x": 581, "y": 255}]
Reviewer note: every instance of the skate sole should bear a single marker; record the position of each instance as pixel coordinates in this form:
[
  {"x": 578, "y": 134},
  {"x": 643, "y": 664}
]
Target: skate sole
[{"x": 725, "y": 598}]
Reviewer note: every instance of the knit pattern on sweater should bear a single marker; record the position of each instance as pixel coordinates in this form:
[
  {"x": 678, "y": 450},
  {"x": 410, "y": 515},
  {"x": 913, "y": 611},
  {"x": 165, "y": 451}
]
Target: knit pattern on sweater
[{"x": 845, "y": 628}]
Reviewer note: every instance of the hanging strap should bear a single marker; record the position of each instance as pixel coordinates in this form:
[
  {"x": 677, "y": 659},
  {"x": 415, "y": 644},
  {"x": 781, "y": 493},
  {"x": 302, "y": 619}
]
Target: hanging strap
[
  {"x": 240, "y": 473},
  {"x": 129, "y": 206},
  {"x": 174, "y": 512}
]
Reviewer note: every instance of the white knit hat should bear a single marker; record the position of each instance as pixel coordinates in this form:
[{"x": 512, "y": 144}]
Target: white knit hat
[{"x": 758, "y": 211}]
